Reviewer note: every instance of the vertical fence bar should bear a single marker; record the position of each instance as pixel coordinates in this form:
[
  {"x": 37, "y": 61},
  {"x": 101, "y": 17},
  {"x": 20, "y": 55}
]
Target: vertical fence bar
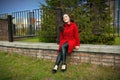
[
  {"x": 39, "y": 20},
  {"x": 118, "y": 21},
  {"x": 10, "y": 31},
  {"x": 119, "y": 18},
  {"x": 41, "y": 17},
  {"x": 30, "y": 29},
  {"x": 37, "y": 17},
  {"x": 18, "y": 24},
  {"x": 22, "y": 22}
]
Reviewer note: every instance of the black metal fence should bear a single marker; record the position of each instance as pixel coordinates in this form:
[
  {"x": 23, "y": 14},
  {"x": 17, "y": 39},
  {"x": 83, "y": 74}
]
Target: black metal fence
[
  {"x": 117, "y": 17},
  {"x": 26, "y": 23}
]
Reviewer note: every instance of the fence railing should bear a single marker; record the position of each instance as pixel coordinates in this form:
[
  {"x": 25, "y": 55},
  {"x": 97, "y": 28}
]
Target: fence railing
[{"x": 26, "y": 23}]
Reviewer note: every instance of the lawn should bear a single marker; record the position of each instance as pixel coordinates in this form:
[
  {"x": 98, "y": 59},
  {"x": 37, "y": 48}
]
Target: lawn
[
  {"x": 18, "y": 67},
  {"x": 32, "y": 39},
  {"x": 117, "y": 41},
  {"x": 36, "y": 40}
]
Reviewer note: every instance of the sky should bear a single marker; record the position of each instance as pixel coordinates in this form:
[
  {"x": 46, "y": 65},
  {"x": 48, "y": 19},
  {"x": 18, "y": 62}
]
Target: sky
[{"x": 9, "y": 6}]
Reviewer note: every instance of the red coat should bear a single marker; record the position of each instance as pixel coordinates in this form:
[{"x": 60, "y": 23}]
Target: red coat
[{"x": 70, "y": 35}]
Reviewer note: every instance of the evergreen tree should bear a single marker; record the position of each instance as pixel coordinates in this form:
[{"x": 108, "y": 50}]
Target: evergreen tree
[
  {"x": 91, "y": 16},
  {"x": 48, "y": 30}
]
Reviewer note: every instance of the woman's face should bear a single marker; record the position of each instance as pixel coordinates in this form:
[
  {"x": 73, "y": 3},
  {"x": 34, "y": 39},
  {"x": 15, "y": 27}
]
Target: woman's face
[{"x": 66, "y": 18}]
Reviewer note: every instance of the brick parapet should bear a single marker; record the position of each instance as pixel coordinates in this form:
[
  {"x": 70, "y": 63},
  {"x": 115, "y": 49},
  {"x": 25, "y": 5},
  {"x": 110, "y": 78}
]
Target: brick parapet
[{"x": 82, "y": 55}]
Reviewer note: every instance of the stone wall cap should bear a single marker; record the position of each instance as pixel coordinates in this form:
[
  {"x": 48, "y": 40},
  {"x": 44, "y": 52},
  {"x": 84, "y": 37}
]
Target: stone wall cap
[{"x": 54, "y": 46}]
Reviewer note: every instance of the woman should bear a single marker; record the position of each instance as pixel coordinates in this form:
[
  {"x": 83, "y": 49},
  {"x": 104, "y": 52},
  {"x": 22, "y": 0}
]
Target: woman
[{"x": 69, "y": 39}]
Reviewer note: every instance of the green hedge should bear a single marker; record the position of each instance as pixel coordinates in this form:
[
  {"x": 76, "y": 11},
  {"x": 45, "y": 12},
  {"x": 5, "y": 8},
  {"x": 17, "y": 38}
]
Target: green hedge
[{"x": 93, "y": 21}]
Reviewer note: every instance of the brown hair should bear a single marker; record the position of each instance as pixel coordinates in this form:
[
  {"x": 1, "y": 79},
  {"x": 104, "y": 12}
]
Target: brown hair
[{"x": 61, "y": 27}]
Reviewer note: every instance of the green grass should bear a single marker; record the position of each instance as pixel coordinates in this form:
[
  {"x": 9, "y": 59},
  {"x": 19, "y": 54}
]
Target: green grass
[
  {"x": 117, "y": 41},
  {"x": 18, "y": 67},
  {"x": 33, "y": 39},
  {"x": 36, "y": 40}
]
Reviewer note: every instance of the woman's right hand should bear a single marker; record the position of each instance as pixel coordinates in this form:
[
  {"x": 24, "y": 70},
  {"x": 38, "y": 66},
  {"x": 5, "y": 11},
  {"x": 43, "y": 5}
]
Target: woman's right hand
[{"x": 77, "y": 47}]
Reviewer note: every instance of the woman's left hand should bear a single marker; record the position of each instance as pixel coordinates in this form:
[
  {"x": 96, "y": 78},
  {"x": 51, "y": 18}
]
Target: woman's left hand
[{"x": 77, "y": 47}]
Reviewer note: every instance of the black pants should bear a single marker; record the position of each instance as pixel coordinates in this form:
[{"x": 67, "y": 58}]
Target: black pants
[{"x": 62, "y": 55}]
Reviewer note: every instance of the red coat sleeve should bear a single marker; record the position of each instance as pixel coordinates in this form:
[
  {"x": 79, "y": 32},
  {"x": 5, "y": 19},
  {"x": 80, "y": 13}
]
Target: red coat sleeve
[{"x": 76, "y": 35}]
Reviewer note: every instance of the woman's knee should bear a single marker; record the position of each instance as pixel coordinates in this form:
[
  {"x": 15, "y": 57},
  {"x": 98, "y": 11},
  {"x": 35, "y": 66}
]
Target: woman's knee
[{"x": 64, "y": 45}]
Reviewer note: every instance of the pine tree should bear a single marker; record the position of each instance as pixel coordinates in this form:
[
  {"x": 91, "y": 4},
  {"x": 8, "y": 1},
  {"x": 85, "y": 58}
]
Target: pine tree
[{"x": 91, "y": 16}]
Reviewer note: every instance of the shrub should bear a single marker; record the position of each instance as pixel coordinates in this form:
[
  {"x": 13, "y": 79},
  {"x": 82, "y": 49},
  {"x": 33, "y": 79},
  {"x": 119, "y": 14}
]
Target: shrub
[{"x": 93, "y": 19}]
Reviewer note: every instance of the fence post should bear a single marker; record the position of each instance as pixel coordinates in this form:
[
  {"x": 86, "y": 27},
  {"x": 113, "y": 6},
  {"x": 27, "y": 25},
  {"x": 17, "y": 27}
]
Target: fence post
[{"x": 10, "y": 31}]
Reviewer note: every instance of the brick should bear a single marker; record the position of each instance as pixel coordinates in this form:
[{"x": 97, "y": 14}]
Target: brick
[
  {"x": 51, "y": 52},
  {"x": 32, "y": 51},
  {"x": 95, "y": 55},
  {"x": 117, "y": 65},
  {"x": 85, "y": 54},
  {"x": 108, "y": 56},
  {"x": 107, "y": 64},
  {"x": 4, "y": 49},
  {"x": 39, "y": 52},
  {"x": 54, "y": 55},
  {"x": 9, "y": 50},
  {"x": 75, "y": 54},
  {"x": 4, "y": 30},
  {"x": 40, "y": 57},
  {"x": 33, "y": 55},
  {"x": 95, "y": 59},
  {"x": 84, "y": 58},
  {"x": 107, "y": 60},
  {"x": 1, "y": 48},
  {"x": 19, "y": 50},
  {"x": 96, "y": 62},
  {"x": 54, "y": 58},
  {"x": 117, "y": 56},
  {"x": 76, "y": 57},
  {"x": 117, "y": 61},
  {"x": 25, "y": 51},
  {"x": 46, "y": 52},
  {"x": 14, "y": 50},
  {"x": 47, "y": 57}
]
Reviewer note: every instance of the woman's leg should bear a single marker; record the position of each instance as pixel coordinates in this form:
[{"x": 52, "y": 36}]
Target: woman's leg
[
  {"x": 58, "y": 60},
  {"x": 61, "y": 57},
  {"x": 64, "y": 52}
]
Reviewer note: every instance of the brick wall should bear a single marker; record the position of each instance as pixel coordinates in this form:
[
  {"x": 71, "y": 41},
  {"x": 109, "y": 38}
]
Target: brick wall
[
  {"x": 49, "y": 51},
  {"x": 3, "y": 30}
]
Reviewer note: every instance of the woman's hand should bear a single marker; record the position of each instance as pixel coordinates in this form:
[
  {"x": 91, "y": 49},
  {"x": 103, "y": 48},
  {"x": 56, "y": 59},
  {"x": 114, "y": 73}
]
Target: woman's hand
[{"x": 77, "y": 47}]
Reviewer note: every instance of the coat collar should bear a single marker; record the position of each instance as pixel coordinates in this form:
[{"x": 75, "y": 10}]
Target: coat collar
[{"x": 69, "y": 24}]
